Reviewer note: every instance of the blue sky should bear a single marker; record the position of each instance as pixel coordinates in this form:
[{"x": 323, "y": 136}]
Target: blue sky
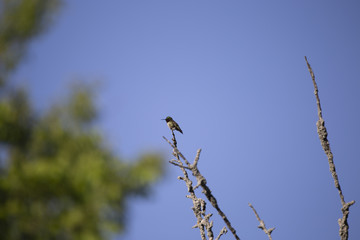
[{"x": 233, "y": 75}]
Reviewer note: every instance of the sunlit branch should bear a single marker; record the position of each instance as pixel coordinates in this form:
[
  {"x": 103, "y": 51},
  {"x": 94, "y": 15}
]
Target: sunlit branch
[{"x": 322, "y": 132}]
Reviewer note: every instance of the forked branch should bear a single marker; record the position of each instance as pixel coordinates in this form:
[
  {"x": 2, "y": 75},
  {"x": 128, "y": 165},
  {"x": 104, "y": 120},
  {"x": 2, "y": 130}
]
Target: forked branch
[
  {"x": 262, "y": 223},
  {"x": 201, "y": 182},
  {"x": 203, "y": 222}
]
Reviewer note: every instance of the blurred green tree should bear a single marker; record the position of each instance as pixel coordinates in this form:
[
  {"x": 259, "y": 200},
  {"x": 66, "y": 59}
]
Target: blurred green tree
[
  {"x": 58, "y": 180},
  {"x": 21, "y": 21}
]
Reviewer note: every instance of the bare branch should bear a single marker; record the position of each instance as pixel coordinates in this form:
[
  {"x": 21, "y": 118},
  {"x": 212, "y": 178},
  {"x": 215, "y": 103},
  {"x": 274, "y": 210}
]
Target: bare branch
[
  {"x": 322, "y": 132},
  {"x": 197, "y": 157},
  {"x": 176, "y": 151},
  {"x": 262, "y": 223},
  {"x": 222, "y": 232},
  {"x": 199, "y": 205},
  {"x": 174, "y": 138},
  {"x": 182, "y": 166},
  {"x": 208, "y": 225},
  {"x": 201, "y": 181},
  {"x": 169, "y": 142}
]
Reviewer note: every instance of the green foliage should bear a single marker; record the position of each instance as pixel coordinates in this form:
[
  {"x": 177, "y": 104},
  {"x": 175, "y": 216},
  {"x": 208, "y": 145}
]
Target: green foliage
[
  {"x": 58, "y": 179},
  {"x": 62, "y": 182},
  {"x": 20, "y": 21}
]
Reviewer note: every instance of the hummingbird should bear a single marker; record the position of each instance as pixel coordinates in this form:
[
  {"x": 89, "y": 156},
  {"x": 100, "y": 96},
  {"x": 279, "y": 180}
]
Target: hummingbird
[{"x": 172, "y": 124}]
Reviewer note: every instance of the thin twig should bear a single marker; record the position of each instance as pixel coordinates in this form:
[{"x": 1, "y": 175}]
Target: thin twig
[
  {"x": 322, "y": 132},
  {"x": 223, "y": 231},
  {"x": 177, "y": 151},
  {"x": 262, "y": 223},
  {"x": 174, "y": 138},
  {"x": 208, "y": 225},
  {"x": 178, "y": 165}
]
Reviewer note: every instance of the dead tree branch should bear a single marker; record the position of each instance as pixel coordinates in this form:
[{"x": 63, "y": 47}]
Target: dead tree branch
[
  {"x": 322, "y": 132},
  {"x": 201, "y": 181},
  {"x": 199, "y": 205},
  {"x": 262, "y": 223},
  {"x": 223, "y": 231}
]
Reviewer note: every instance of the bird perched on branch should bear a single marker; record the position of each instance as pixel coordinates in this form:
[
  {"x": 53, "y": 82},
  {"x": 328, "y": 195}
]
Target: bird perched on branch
[{"x": 172, "y": 124}]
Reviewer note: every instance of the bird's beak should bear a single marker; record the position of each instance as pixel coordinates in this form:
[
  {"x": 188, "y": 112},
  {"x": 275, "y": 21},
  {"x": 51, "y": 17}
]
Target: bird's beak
[{"x": 163, "y": 119}]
